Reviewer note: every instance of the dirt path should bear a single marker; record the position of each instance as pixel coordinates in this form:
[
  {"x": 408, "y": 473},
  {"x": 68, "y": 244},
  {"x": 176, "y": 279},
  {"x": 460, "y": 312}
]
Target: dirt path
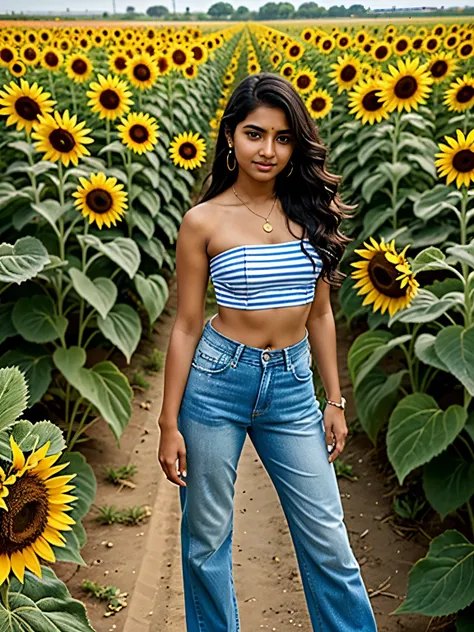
[{"x": 145, "y": 559}]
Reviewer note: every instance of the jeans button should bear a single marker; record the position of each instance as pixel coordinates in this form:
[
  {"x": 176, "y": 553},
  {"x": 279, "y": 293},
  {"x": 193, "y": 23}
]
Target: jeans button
[{"x": 266, "y": 356}]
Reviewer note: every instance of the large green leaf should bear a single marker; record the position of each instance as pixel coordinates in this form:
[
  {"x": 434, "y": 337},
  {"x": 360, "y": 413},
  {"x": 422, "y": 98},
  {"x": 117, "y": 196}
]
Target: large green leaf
[
  {"x": 432, "y": 202},
  {"x": 36, "y": 364},
  {"x": 394, "y": 171},
  {"x": 429, "y": 259},
  {"x": 42, "y": 605},
  {"x": 448, "y": 480},
  {"x": 154, "y": 293},
  {"x": 462, "y": 254},
  {"x": 375, "y": 398},
  {"x": 103, "y": 385},
  {"x": 123, "y": 251},
  {"x": 51, "y": 210},
  {"x": 454, "y": 346},
  {"x": 373, "y": 184},
  {"x": 13, "y": 395},
  {"x": 426, "y": 352},
  {"x": 101, "y": 293},
  {"x": 7, "y": 328},
  {"x": 122, "y": 327},
  {"x": 418, "y": 430},
  {"x": 36, "y": 320},
  {"x": 368, "y": 349},
  {"x": 442, "y": 582},
  {"x": 32, "y": 437},
  {"x": 424, "y": 308},
  {"x": 23, "y": 260}
]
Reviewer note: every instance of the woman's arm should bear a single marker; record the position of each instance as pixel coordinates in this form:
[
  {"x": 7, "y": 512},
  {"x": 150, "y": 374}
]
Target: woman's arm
[{"x": 322, "y": 338}]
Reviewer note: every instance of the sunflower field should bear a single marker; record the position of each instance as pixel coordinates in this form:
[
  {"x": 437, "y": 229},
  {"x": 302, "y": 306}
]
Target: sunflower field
[{"x": 105, "y": 133}]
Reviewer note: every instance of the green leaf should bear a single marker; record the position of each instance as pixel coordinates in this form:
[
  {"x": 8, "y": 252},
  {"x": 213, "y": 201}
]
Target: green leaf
[
  {"x": 42, "y": 605},
  {"x": 35, "y": 319},
  {"x": 424, "y": 308},
  {"x": 418, "y": 430},
  {"x": 23, "y": 260},
  {"x": 373, "y": 184},
  {"x": 36, "y": 364},
  {"x": 115, "y": 146},
  {"x": 7, "y": 330},
  {"x": 368, "y": 349},
  {"x": 101, "y": 293},
  {"x": 442, "y": 582},
  {"x": 144, "y": 222},
  {"x": 151, "y": 201},
  {"x": 153, "y": 294},
  {"x": 51, "y": 210},
  {"x": 429, "y": 259},
  {"x": 394, "y": 171},
  {"x": 432, "y": 202},
  {"x": 462, "y": 254},
  {"x": 454, "y": 346},
  {"x": 426, "y": 352},
  {"x": 425, "y": 162},
  {"x": 31, "y": 437},
  {"x": 375, "y": 398},
  {"x": 122, "y": 327},
  {"x": 123, "y": 251},
  {"x": 13, "y": 395},
  {"x": 103, "y": 385},
  {"x": 448, "y": 481}
]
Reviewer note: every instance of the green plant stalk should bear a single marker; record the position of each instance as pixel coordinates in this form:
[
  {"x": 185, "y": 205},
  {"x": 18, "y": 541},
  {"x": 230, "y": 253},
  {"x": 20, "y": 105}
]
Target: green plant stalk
[
  {"x": 62, "y": 244},
  {"x": 30, "y": 173},
  {"x": 466, "y": 122},
  {"x": 80, "y": 428},
  {"x": 71, "y": 420},
  {"x": 51, "y": 84},
  {"x": 395, "y": 139},
  {"x": 169, "y": 85},
  {"x": 84, "y": 248},
  {"x": 140, "y": 100},
  {"x": 73, "y": 97},
  {"x": 107, "y": 136},
  {"x": 129, "y": 188},
  {"x": 410, "y": 368},
  {"x": 465, "y": 274}
]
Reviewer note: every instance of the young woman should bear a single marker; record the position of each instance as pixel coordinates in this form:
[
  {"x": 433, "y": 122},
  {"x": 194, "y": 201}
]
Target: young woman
[{"x": 267, "y": 231}]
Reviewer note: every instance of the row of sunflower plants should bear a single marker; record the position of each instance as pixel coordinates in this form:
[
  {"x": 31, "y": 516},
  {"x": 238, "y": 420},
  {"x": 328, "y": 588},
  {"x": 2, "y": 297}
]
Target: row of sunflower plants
[
  {"x": 391, "y": 159},
  {"x": 60, "y": 282}
]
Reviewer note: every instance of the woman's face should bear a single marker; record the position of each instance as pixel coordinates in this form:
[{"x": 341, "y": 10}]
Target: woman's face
[{"x": 263, "y": 137}]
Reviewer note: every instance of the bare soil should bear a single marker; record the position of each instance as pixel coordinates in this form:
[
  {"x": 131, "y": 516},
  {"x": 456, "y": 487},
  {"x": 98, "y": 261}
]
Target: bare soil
[{"x": 144, "y": 560}]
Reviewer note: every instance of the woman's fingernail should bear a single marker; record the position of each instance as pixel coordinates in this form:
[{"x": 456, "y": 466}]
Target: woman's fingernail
[{"x": 184, "y": 473}]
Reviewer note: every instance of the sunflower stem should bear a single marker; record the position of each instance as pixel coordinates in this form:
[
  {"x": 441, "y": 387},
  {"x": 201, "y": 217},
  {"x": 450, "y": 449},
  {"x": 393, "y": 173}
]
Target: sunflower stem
[
  {"x": 129, "y": 185},
  {"x": 73, "y": 97},
  {"x": 51, "y": 84},
  {"x": 169, "y": 84},
  {"x": 77, "y": 403},
  {"x": 4, "y": 594},
  {"x": 466, "y": 122},
  {"x": 107, "y": 136},
  {"x": 31, "y": 173},
  {"x": 62, "y": 244},
  {"x": 395, "y": 138},
  {"x": 80, "y": 428},
  {"x": 140, "y": 100}
]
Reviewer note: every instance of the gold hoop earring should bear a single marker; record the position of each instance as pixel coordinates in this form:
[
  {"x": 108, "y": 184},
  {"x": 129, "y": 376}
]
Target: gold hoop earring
[
  {"x": 235, "y": 161},
  {"x": 291, "y": 170}
]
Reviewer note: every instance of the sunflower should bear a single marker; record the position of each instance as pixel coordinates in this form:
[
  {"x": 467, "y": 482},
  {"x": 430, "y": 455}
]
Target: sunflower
[
  {"x": 109, "y": 96},
  {"x": 101, "y": 199},
  {"x": 118, "y": 62},
  {"x": 33, "y": 510},
  {"x": 294, "y": 51},
  {"x": 51, "y": 58},
  {"x": 319, "y": 103},
  {"x": 17, "y": 68},
  {"x": 190, "y": 71},
  {"x": 287, "y": 70},
  {"x": 407, "y": 87},
  {"x": 61, "y": 138},
  {"x": 78, "y": 67},
  {"x": 381, "y": 51},
  {"x": 7, "y": 54},
  {"x": 401, "y": 45},
  {"x": 441, "y": 65},
  {"x": 188, "y": 150},
  {"x": 460, "y": 94},
  {"x": 465, "y": 50},
  {"x": 199, "y": 53},
  {"x": 138, "y": 132},
  {"x": 307, "y": 35},
  {"x": 24, "y": 103},
  {"x": 385, "y": 276},
  {"x": 365, "y": 103},
  {"x": 327, "y": 44},
  {"x": 304, "y": 80},
  {"x": 456, "y": 161},
  {"x": 275, "y": 59},
  {"x": 347, "y": 72},
  {"x": 451, "y": 41},
  {"x": 64, "y": 45},
  {"x": 142, "y": 71},
  {"x": 29, "y": 54},
  {"x": 344, "y": 41},
  {"x": 179, "y": 56}
]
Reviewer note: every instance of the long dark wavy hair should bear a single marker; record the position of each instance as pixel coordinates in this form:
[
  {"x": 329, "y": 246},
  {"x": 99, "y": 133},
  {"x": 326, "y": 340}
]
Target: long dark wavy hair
[{"x": 309, "y": 195}]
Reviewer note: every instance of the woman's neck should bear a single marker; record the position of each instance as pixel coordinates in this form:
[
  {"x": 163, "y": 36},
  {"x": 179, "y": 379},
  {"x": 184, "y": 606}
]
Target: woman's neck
[{"x": 251, "y": 190}]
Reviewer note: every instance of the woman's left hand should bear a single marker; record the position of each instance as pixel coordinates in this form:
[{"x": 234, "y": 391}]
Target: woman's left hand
[{"x": 336, "y": 429}]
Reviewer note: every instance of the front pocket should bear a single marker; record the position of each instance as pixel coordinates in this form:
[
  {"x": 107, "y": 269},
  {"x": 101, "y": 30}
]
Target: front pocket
[
  {"x": 301, "y": 367},
  {"x": 210, "y": 359}
]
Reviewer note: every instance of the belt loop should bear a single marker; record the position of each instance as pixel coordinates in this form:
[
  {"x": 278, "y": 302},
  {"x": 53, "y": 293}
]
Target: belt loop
[
  {"x": 287, "y": 359},
  {"x": 237, "y": 354}
]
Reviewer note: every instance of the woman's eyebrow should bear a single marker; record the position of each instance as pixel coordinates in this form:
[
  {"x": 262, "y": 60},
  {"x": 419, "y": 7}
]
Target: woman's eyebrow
[{"x": 260, "y": 129}]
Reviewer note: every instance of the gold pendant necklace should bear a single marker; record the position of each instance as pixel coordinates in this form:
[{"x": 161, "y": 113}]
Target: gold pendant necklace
[{"x": 267, "y": 227}]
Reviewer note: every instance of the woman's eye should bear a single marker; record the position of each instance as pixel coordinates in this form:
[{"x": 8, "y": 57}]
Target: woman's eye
[{"x": 285, "y": 138}]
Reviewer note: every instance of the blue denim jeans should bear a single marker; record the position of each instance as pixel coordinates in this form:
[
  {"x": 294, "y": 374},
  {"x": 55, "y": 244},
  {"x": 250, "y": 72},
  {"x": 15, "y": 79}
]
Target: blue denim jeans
[{"x": 234, "y": 389}]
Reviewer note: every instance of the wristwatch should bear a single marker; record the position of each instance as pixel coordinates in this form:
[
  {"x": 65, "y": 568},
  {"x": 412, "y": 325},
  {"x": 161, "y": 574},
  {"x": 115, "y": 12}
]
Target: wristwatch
[{"x": 341, "y": 405}]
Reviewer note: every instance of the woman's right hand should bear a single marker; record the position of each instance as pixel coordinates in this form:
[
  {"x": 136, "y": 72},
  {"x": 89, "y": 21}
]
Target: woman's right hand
[{"x": 171, "y": 449}]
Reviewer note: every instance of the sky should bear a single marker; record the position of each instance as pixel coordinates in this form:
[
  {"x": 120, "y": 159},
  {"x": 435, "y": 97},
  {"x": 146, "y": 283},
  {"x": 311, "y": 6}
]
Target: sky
[{"x": 203, "y": 5}]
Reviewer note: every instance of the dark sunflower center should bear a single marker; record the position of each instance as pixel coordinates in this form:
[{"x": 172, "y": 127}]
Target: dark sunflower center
[
  {"x": 120, "y": 63},
  {"x": 197, "y": 52},
  {"x": 451, "y": 41},
  {"x": 287, "y": 72},
  {"x": 348, "y": 73},
  {"x": 99, "y": 201},
  {"x": 343, "y": 41},
  {"x": 189, "y": 71},
  {"x": 62, "y": 140},
  {"x": 30, "y": 54},
  {"x": 466, "y": 49},
  {"x": 294, "y": 51},
  {"x": 326, "y": 45},
  {"x": 463, "y": 161},
  {"x": 431, "y": 44},
  {"x": 141, "y": 72},
  {"x": 163, "y": 64},
  {"x": 138, "y": 133},
  {"x": 51, "y": 59},
  {"x": 6, "y": 55},
  {"x": 406, "y": 87},
  {"x": 382, "y": 273},
  {"x": 79, "y": 66},
  {"x": 27, "y": 108},
  {"x": 179, "y": 57},
  {"x": 401, "y": 45},
  {"x": 439, "y": 68},
  {"x": 439, "y": 31},
  {"x": 318, "y": 104},
  {"x": 17, "y": 67},
  {"x": 303, "y": 82},
  {"x": 416, "y": 44},
  {"x": 109, "y": 99},
  {"x": 27, "y": 515},
  {"x": 371, "y": 102},
  {"x": 83, "y": 43},
  {"x": 187, "y": 151},
  {"x": 465, "y": 94},
  {"x": 381, "y": 51}
]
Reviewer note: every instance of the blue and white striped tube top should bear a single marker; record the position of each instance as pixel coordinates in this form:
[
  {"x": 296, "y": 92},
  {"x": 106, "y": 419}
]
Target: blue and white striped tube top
[{"x": 262, "y": 276}]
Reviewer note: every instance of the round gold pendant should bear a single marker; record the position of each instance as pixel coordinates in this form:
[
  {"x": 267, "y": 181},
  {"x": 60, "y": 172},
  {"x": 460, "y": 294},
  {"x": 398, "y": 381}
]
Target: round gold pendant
[{"x": 267, "y": 227}]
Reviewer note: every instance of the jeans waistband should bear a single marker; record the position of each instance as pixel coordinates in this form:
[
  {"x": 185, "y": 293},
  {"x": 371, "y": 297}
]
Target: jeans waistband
[{"x": 254, "y": 355}]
